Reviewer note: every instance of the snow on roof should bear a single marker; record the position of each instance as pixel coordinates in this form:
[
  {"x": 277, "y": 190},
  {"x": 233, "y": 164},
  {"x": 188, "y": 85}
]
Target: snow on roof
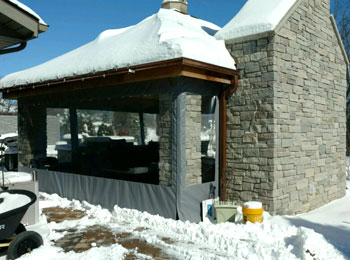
[
  {"x": 162, "y": 36},
  {"x": 28, "y": 10},
  {"x": 256, "y": 16}
]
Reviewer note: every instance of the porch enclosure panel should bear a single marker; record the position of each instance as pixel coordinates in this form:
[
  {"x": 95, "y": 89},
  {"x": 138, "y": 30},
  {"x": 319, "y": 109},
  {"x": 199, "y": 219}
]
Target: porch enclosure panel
[{"x": 168, "y": 173}]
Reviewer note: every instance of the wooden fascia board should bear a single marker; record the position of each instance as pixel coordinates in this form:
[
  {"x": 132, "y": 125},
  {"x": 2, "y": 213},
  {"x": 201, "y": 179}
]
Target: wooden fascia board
[
  {"x": 152, "y": 71},
  {"x": 197, "y": 73},
  {"x": 43, "y": 28},
  {"x": 20, "y": 17}
]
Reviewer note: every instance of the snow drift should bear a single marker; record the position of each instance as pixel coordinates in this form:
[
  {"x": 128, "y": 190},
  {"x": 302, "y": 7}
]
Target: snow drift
[{"x": 190, "y": 240}]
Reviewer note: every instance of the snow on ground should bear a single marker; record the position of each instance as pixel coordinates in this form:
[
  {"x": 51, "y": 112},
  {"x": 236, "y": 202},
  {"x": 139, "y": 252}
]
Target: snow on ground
[
  {"x": 277, "y": 238},
  {"x": 255, "y": 17},
  {"x": 331, "y": 220},
  {"x": 163, "y": 36},
  {"x": 16, "y": 177}
]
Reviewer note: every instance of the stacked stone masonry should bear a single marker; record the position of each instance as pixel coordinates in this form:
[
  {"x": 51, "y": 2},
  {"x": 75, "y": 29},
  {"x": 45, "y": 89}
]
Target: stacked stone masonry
[
  {"x": 31, "y": 128},
  {"x": 286, "y": 122},
  {"x": 165, "y": 131},
  {"x": 193, "y": 139}
]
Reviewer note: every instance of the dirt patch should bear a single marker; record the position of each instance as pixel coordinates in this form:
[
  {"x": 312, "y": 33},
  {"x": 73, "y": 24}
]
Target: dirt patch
[
  {"x": 144, "y": 248},
  {"x": 59, "y": 215},
  {"x": 130, "y": 256},
  {"x": 168, "y": 240},
  {"x": 140, "y": 229},
  {"x": 123, "y": 235},
  {"x": 69, "y": 241},
  {"x": 80, "y": 241},
  {"x": 98, "y": 236}
]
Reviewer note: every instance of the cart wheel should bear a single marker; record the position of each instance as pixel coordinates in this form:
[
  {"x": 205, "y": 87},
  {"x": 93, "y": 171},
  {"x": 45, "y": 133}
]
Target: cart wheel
[
  {"x": 23, "y": 243},
  {"x": 20, "y": 229}
]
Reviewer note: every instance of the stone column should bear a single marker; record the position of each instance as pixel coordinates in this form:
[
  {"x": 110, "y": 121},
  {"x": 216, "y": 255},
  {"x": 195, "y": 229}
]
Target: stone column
[
  {"x": 32, "y": 141},
  {"x": 165, "y": 131},
  {"x": 193, "y": 139}
]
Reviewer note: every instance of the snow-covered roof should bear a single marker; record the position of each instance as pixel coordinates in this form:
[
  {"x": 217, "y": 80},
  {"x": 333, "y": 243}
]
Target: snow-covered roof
[
  {"x": 162, "y": 36},
  {"x": 28, "y": 10},
  {"x": 256, "y": 16}
]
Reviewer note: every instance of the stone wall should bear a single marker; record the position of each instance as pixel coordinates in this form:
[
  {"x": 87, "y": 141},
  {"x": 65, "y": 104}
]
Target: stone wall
[
  {"x": 32, "y": 140},
  {"x": 193, "y": 139},
  {"x": 286, "y": 122},
  {"x": 250, "y": 128},
  {"x": 309, "y": 96},
  {"x": 165, "y": 131}
]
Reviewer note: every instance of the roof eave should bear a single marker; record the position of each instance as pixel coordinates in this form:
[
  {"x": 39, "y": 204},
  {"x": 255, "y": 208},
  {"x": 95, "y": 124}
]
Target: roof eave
[
  {"x": 43, "y": 27},
  {"x": 23, "y": 18},
  {"x": 151, "y": 71}
]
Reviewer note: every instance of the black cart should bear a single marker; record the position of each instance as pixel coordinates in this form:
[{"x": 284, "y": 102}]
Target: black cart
[{"x": 13, "y": 234}]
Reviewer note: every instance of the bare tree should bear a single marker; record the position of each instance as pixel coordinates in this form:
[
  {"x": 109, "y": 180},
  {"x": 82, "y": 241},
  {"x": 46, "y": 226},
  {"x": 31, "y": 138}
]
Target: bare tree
[
  {"x": 7, "y": 106},
  {"x": 341, "y": 10}
]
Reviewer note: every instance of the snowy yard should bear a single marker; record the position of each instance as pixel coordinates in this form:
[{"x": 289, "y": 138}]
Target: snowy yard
[{"x": 136, "y": 235}]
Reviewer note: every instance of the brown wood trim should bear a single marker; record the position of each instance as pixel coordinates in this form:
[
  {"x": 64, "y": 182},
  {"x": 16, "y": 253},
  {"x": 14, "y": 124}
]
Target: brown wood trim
[
  {"x": 223, "y": 137},
  {"x": 156, "y": 70},
  {"x": 92, "y": 82},
  {"x": 209, "y": 67},
  {"x": 198, "y": 73}
]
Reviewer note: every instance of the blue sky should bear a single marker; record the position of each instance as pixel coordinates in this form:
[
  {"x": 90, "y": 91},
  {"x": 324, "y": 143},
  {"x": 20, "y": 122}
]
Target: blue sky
[{"x": 76, "y": 22}]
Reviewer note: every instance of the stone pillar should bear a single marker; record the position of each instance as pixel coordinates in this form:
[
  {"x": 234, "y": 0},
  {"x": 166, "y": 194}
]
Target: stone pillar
[
  {"x": 32, "y": 141},
  {"x": 286, "y": 122},
  {"x": 250, "y": 125},
  {"x": 165, "y": 132},
  {"x": 193, "y": 139}
]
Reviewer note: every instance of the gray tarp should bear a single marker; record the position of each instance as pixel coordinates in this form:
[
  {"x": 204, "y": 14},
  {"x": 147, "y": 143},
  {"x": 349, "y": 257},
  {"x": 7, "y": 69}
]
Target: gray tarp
[{"x": 108, "y": 192}]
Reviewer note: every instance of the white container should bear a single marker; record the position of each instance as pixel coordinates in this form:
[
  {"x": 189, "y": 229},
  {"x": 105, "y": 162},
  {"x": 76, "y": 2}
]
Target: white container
[{"x": 226, "y": 211}]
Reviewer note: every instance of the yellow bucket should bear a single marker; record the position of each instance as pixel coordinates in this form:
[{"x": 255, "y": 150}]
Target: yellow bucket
[{"x": 252, "y": 212}]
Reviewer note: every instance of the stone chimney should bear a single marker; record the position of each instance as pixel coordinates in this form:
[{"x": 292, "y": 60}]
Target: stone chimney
[{"x": 178, "y": 5}]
